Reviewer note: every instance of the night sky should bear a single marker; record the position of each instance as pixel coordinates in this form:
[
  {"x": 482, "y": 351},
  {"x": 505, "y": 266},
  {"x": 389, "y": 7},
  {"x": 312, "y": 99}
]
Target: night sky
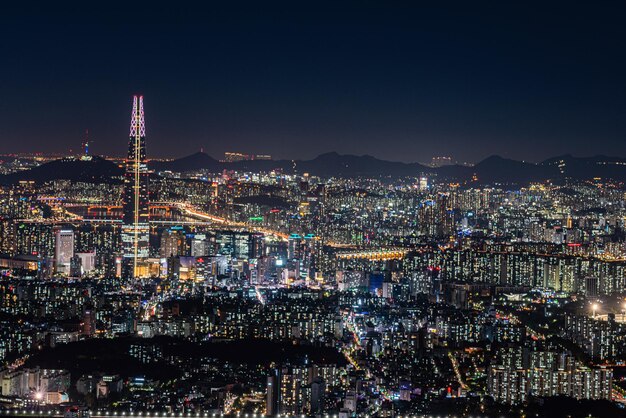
[{"x": 402, "y": 83}]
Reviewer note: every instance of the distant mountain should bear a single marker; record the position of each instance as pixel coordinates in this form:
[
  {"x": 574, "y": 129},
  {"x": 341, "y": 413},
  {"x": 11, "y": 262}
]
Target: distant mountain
[
  {"x": 333, "y": 164},
  {"x": 96, "y": 170},
  {"x": 491, "y": 170},
  {"x": 496, "y": 169},
  {"x": 326, "y": 165},
  {"x": 203, "y": 161},
  {"x": 586, "y": 168},
  {"x": 193, "y": 162},
  {"x": 260, "y": 165}
]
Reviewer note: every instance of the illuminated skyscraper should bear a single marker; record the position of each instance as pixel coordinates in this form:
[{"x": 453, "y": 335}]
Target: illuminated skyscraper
[
  {"x": 135, "y": 231},
  {"x": 172, "y": 243},
  {"x": 63, "y": 249}
]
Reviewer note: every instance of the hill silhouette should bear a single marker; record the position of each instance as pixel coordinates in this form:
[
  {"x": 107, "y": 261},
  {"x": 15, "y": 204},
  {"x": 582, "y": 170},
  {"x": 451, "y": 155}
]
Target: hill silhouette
[
  {"x": 95, "y": 170},
  {"x": 493, "y": 170}
]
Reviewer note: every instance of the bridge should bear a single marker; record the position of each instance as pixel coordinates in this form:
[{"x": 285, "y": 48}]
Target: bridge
[
  {"x": 195, "y": 213},
  {"x": 374, "y": 254},
  {"x": 197, "y": 218}
]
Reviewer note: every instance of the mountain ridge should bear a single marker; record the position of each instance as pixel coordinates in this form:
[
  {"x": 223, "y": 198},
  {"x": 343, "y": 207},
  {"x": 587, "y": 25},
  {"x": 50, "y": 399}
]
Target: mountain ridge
[
  {"x": 94, "y": 170},
  {"x": 493, "y": 169}
]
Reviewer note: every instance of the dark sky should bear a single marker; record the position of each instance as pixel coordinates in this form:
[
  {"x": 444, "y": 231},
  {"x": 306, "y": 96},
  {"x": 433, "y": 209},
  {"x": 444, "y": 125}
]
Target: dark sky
[{"x": 523, "y": 80}]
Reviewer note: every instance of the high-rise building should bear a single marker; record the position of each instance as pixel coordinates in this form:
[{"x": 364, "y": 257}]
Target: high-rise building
[
  {"x": 546, "y": 374},
  {"x": 423, "y": 184},
  {"x": 271, "y": 406},
  {"x": 87, "y": 261},
  {"x": 135, "y": 231},
  {"x": 199, "y": 245},
  {"x": 172, "y": 243},
  {"x": 63, "y": 250},
  {"x": 239, "y": 245},
  {"x": 89, "y": 322},
  {"x": 318, "y": 392}
]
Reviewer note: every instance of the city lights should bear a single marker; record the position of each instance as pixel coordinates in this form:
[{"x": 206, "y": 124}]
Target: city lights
[{"x": 354, "y": 212}]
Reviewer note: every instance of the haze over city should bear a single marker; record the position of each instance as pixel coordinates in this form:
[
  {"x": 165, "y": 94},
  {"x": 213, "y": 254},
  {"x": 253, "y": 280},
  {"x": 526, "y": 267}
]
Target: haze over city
[{"x": 525, "y": 81}]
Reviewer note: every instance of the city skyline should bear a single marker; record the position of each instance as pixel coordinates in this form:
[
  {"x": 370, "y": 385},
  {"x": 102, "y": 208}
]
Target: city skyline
[
  {"x": 295, "y": 83},
  {"x": 318, "y": 211}
]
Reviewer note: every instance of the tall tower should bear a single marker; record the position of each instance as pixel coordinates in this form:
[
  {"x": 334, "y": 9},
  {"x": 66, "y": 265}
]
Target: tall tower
[
  {"x": 135, "y": 229},
  {"x": 86, "y": 144}
]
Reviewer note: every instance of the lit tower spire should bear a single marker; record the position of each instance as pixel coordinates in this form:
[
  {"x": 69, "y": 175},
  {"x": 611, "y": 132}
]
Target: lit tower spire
[
  {"x": 86, "y": 144},
  {"x": 137, "y": 120},
  {"x": 135, "y": 230}
]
